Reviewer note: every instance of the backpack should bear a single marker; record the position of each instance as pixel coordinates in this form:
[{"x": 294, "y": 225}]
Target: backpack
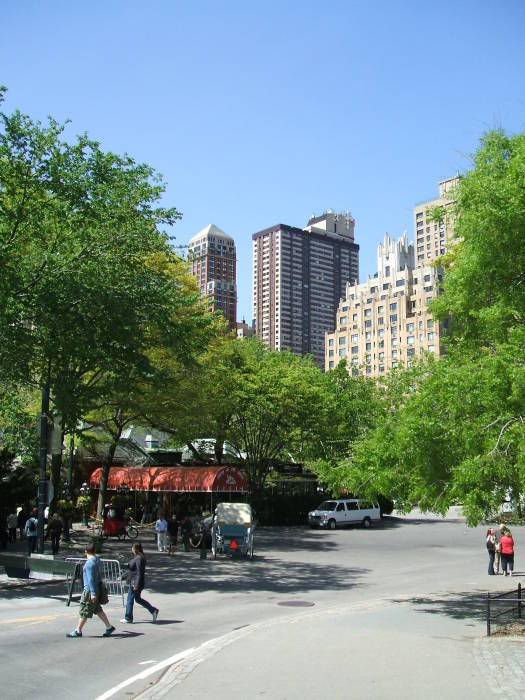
[{"x": 32, "y": 525}]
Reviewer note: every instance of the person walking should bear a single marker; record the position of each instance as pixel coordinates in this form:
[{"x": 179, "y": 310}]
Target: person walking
[
  {"x": 89, "y": 600},
  {"x": 54, "y": 530},
  {"x": 12, "y": 524},
  {"x": 491, "y": 548},
  {"x": 161, "y": 528},
  {"x": 507, "y": 552},
  {"x": 173, "y": 532},
  {"x": 21, "y": 519},
  {"x": 31, "y": 532},
  {"x": 136, "y": 577},
  {"x": 185, "y": 532}
]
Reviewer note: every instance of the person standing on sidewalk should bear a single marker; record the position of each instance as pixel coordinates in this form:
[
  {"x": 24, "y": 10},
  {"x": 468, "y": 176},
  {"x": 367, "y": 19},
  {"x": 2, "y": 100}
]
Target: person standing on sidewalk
[
  {"x": 31, "y": 532},
  {"x": 161, "y": 528},
  {"x": 173, "y": 532},
  {"x": 136, "y": 577},
  {"x": 89, "y": 600},
  {"x": 12, "y": 524},
  {"x": 54, "y": 530},
  {"x": 507, "y": 552},
  {"x": 491, "y": 548}
]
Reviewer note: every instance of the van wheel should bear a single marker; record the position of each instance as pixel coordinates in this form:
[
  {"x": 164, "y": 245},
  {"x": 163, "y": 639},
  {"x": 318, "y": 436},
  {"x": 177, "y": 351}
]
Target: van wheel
[
  {"x": 331, "y": 524},
  {"x": 367, "y": 522}
]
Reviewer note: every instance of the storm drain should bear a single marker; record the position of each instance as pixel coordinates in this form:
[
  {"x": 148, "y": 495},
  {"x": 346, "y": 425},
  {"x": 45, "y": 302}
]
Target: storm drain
[{"x": 296, "y": 603}]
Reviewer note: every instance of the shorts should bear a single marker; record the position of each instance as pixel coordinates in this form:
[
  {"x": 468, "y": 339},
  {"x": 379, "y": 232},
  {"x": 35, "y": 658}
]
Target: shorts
[{"x": 87, "y": 607}]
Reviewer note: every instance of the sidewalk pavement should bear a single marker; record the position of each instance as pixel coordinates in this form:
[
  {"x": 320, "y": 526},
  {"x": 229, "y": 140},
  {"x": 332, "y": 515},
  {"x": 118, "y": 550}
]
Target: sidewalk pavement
[{"x": 375, "y": 650}]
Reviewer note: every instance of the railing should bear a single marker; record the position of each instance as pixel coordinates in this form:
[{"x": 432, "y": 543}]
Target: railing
[
  {"x": 514, "y": 610},
  {"x": 112, "y": 577}
]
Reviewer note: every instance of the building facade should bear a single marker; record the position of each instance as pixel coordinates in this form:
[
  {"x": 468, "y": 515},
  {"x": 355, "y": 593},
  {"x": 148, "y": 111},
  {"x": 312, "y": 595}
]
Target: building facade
[
  {"x": 433, "y": 238},
  {"x": 299, "y": 276},
  {"x": 384, "y": 322},
  {"x": 212, "y": 261}
]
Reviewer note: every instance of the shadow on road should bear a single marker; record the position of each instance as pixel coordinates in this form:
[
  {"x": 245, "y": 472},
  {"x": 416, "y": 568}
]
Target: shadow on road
[{"x": 471, "y": 606}]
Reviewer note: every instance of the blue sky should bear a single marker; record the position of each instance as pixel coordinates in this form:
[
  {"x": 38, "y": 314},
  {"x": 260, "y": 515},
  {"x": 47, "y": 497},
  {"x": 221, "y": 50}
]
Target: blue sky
[{"x": 259, "y": 113}]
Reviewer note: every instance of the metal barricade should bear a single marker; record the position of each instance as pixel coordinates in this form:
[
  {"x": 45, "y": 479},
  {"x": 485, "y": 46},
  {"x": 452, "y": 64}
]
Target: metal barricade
[{"x": 112, "y": 577}]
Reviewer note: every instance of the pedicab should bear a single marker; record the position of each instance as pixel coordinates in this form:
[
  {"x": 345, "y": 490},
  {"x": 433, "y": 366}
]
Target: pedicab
[
  {"x": 232, "y": 530},
  {"x": 118, "y": 527}
]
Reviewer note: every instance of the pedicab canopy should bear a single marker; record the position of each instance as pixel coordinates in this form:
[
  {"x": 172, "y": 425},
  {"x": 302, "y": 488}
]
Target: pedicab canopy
[
  {"x": 175, "y": 479},
  {"x": 233, "y": 514}
]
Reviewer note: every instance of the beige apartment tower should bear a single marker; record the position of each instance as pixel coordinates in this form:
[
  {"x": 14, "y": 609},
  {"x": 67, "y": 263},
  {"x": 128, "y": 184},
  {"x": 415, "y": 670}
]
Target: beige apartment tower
[
  {"x": 384, "y": 322},
  {"x": 433, "y": 238},
  {"x": 299, "y": 276}
]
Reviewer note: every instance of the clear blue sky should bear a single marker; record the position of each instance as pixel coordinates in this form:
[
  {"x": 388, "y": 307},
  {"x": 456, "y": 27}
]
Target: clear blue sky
[{"x": 259, "y": 113}]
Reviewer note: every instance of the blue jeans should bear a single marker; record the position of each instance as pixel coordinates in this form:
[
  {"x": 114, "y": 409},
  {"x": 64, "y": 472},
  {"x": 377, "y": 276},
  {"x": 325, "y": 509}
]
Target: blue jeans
[{"x": 135, "y": 597}]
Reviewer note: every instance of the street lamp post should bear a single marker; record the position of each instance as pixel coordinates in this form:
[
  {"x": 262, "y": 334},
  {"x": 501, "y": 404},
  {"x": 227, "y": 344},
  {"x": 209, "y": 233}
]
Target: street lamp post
[
  {"x": 66, "y": 492},
  {"x": 84, "y": 492}
]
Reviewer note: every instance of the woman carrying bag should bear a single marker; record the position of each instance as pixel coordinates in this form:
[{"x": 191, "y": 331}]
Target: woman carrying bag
[{"x": 136, "y": 577}]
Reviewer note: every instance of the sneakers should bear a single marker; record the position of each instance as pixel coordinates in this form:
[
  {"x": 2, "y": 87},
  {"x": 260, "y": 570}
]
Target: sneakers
[
  {"x": 155, "y": 614},
  {"x": 109, "y": 631},
  {"x": 126, "y": 622},
  {"x": 74, "y": 634}
]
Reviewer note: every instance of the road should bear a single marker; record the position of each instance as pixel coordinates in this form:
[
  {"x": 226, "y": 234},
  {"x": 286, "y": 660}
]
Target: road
[{"x": 383, "y": 613}]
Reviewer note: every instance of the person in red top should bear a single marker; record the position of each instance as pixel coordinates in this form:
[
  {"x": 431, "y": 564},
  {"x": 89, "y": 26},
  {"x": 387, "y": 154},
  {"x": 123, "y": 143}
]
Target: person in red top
[{"x": 507, "y": 552}]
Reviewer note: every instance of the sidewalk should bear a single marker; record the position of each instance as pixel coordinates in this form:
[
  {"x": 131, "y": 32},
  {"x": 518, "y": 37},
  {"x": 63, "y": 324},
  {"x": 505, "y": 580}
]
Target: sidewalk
[{"x": 377, "y": 650}]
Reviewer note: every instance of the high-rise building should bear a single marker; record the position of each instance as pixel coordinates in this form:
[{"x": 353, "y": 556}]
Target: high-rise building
[
  {"x": 385, "y": 322},
  {"x": 433, "y": 238},
  {"x": 299, "y": 276},
  {"x": 212, "y": 261}
]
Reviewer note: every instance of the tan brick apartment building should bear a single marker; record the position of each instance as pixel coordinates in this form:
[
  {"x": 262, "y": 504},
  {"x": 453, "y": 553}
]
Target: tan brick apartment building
[{"x": 384, "y": 322}]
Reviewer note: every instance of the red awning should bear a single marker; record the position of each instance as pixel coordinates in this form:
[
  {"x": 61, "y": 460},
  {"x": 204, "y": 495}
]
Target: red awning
[{"x": 179, "y": 479}]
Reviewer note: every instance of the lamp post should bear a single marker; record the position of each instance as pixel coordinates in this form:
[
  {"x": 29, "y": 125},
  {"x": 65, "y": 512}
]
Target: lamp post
[
  {"x": 66, "y": 493},
  {"x": 84, "y": 492}
]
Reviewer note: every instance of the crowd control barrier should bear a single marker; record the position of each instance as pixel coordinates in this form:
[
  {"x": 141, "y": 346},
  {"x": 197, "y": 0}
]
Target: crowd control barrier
[{"x": 112, "y": 577}]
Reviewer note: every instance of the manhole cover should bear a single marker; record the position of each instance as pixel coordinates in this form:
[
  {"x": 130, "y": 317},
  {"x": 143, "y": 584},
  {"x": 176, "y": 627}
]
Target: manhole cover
[{"x": 296, "y": 603}]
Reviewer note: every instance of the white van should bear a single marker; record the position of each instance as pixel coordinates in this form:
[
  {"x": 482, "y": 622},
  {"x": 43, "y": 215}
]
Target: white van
[{"x": 344, "y": 511}]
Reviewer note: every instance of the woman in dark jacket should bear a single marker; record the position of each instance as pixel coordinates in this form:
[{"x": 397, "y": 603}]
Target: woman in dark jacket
[{"x": 136, "y": 577}]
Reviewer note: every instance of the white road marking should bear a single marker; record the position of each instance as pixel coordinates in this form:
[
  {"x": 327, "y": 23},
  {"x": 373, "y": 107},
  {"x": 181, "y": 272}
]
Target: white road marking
[
  {"x": 144, "y": 674},
  {"x": 151, "y": 661}
]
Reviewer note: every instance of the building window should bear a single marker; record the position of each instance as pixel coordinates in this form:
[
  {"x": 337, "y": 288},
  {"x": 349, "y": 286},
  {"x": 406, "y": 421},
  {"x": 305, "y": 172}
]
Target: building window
[
  {"x": 411, "y": 339},
  {"x": 430, "y": 323},
  {"x": 368, "y": 313},
  {"x": 342, "y": 320},
  {"x": 400, "y": 283},
  {"x": 330, "y": 341},
  {"x": 381, "y": 368},
  {"x": 354, "y": 317},
  {"x": 394, "y": 353},
  {"x": 342, "y": 340},
  {"x": 393, "y": 318},
  {"x": 381, "y": 333},
  {"x": 331, "y": 364},
  {"x": 410, "y": 327},
  {"x": 354, "y": 338},
  {"x": 368, "y": 324},
  {"x": 380, "y": 309},
  {"x": 342, "y": 352},
  {"x": 381, "y": 355},
  {"x": 330, "y": 353},
  {"x": 368, "y": 335},
  {"x": 355, "y": 350},
  {"x": 393, "y": 307},
  {"x": 368, "y": 346},
  {"x": 430, "y": 336},
  {"x": 431, "y": 348},
  {"x": 380, "y": 321}
]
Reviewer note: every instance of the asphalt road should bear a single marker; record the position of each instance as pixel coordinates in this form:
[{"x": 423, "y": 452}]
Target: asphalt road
[{"x": 373, "y": 613}]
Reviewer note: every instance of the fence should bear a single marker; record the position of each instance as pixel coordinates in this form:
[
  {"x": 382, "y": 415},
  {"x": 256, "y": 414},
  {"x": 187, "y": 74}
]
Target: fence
[
  {"x": 112, "y": 577},
  {"x": 513, "y": 611}
]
